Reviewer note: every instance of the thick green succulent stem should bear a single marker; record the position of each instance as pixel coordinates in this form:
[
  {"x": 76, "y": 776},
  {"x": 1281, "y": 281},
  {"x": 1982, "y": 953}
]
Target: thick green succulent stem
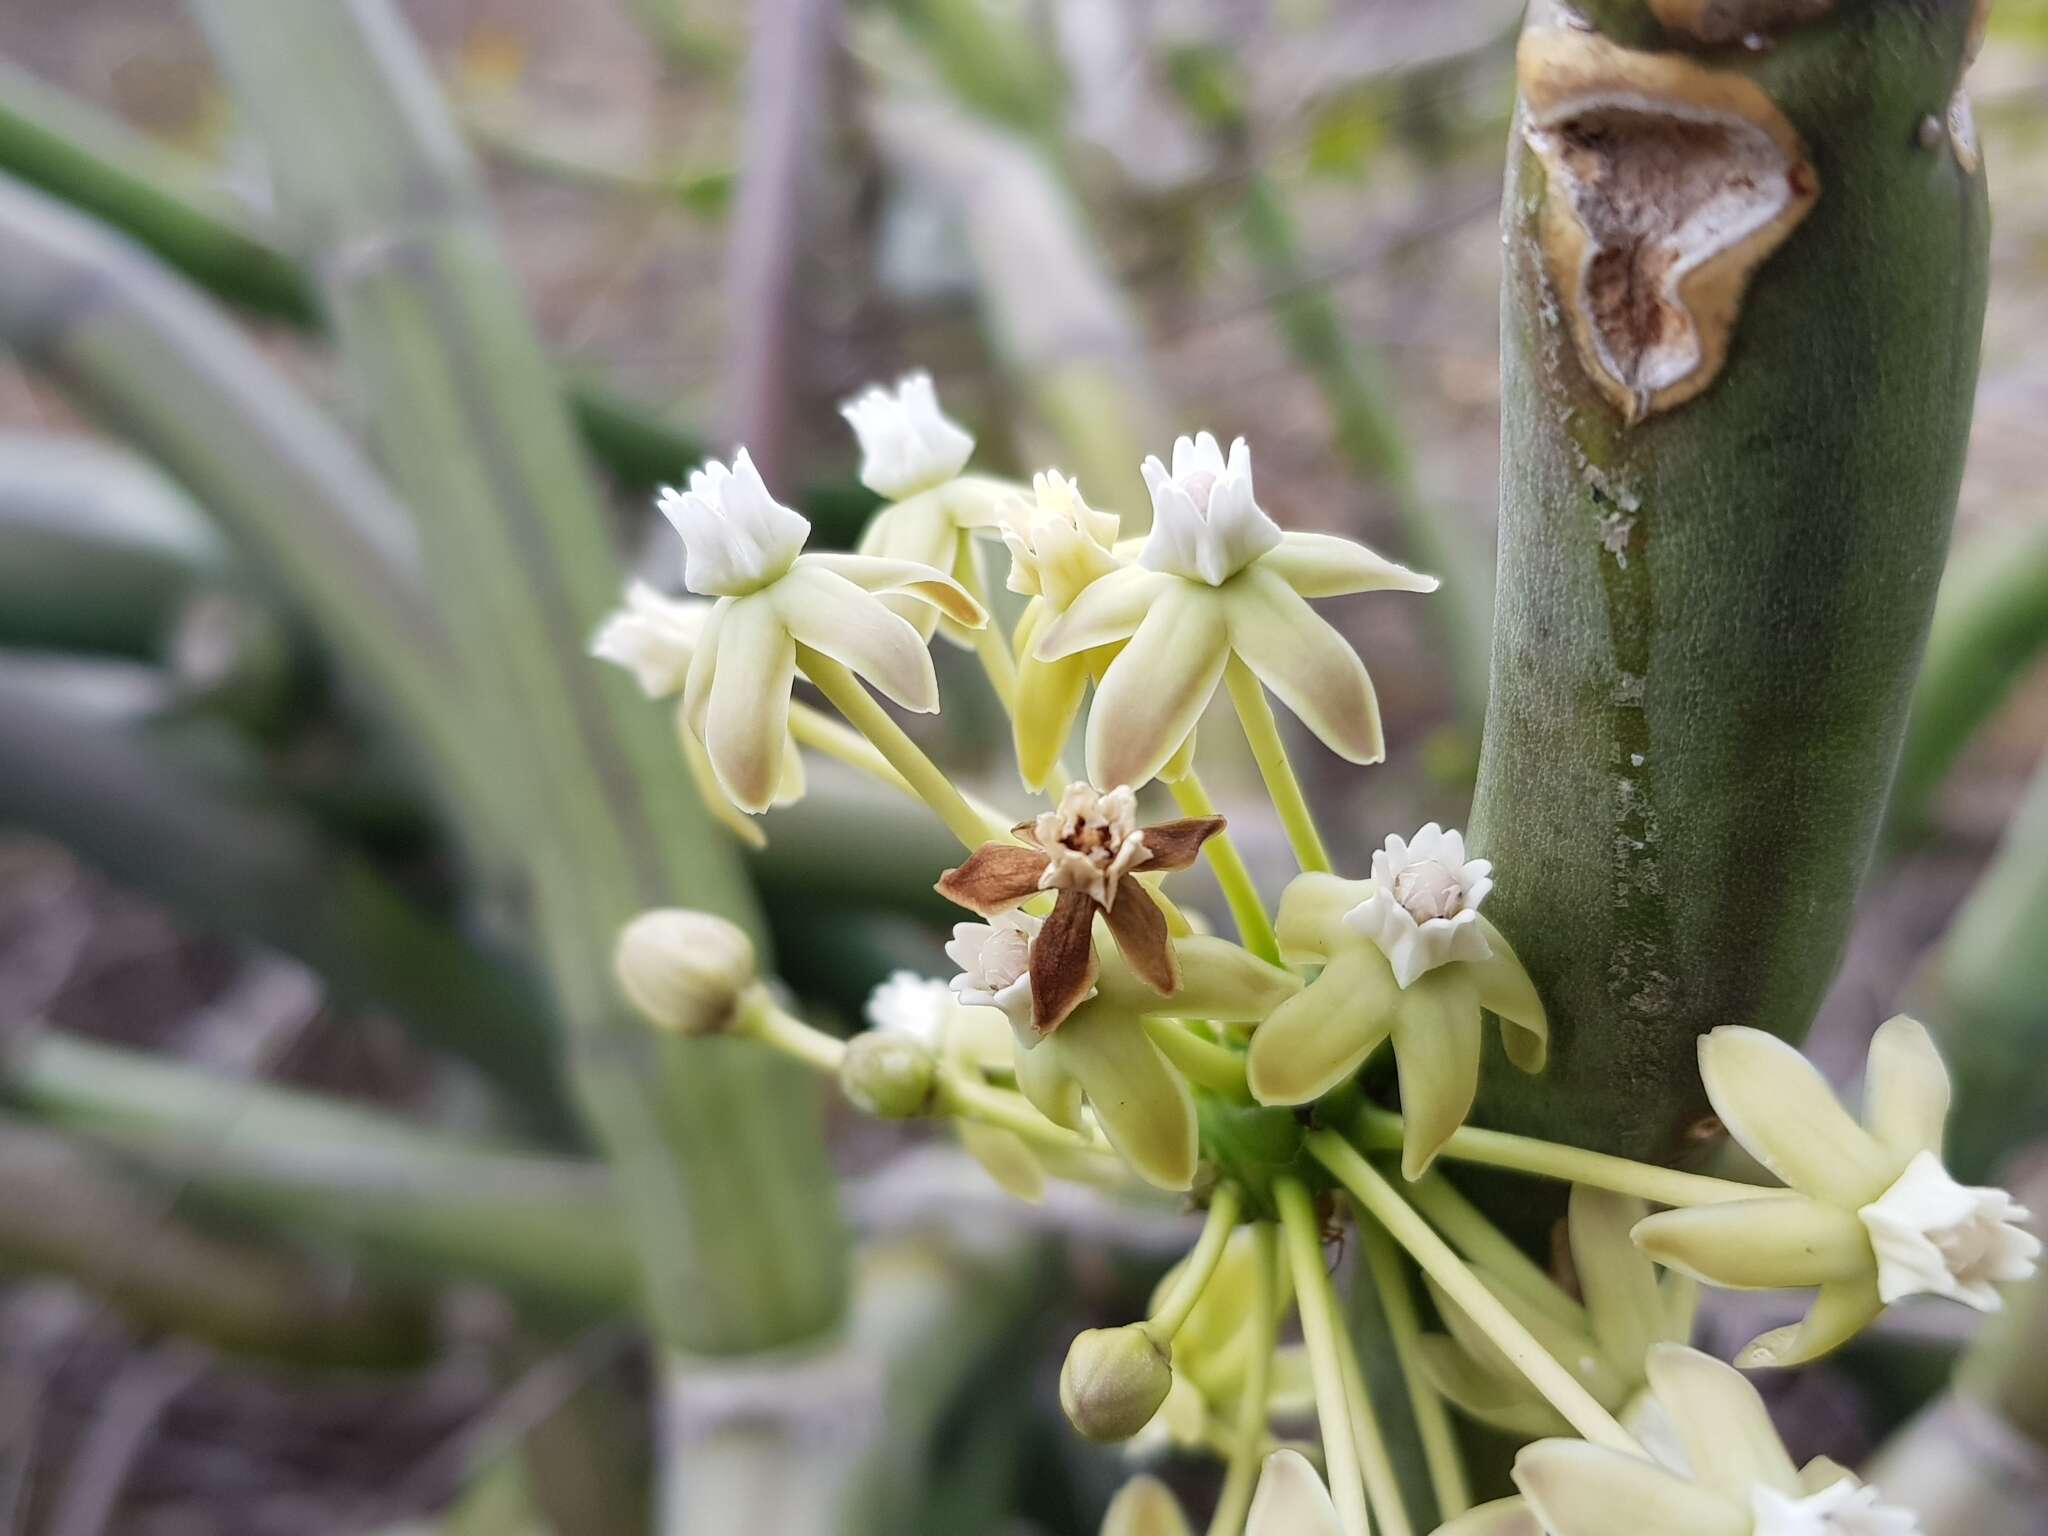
[
  {"x": 716, "y": 1146},
  {"x": 1708, "y": 620}
]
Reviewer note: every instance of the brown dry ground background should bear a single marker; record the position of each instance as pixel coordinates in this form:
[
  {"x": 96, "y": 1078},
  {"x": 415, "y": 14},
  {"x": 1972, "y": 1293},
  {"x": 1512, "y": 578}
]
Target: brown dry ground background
[{"x": 103, "y": 1431}]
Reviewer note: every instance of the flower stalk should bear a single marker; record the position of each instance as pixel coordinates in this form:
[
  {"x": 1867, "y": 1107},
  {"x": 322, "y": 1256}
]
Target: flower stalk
[
  {"x": 1322, "y": 1327},
  {"x": 1262, "y": 735},
  {"x": 1249, "y": 1434}
]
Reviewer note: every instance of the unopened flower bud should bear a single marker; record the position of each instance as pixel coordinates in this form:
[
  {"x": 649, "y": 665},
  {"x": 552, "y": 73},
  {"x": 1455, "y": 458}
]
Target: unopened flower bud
[
  {"x": 887, "y": 1074},
  {"x": 684, "y": 971},
  {"x": 1114, "y": 1380}
]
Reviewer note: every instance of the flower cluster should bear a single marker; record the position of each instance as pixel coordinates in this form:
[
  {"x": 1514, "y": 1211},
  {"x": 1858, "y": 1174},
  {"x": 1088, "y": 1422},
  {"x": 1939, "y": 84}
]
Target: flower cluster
[{"x": 1092, "y": 1030}]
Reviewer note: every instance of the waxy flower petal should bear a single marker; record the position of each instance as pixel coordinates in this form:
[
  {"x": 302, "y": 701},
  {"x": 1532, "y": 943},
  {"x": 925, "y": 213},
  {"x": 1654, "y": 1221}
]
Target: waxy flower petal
[
  {"x": 653, "y": 637},
  {"x": 1291, "y": 1500},
  {"x": 907, "y": 444},
  {"x": 736, "y": 537},
  {"x": 1934, "y": 1236},
  {"x": 1423, "y": 910},
  {"x": 1206, "y": 523},
  {"x": 1844, "y": 1508}
]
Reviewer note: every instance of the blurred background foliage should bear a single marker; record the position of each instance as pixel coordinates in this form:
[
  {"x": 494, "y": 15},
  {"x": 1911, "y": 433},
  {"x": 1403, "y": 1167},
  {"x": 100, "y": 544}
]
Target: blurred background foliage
[{"x": 302, "y": 1229}]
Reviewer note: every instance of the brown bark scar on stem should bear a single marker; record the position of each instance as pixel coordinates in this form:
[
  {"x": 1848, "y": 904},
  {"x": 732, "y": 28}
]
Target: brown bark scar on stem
[
  {"x": 1732, "y": 21},
  {"x": 1666, "y": 185}
]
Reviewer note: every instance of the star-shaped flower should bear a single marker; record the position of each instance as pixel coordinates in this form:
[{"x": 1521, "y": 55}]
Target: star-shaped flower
[
  {"x": 1084, "y": 849},
  {"x": 1424, "y": 908},
  {"x": 746, "y": 549},
  {"x": 1101, "y": 1053},
  {"x": 1738, "y": 1479},
  {"x": 1460, "y": 968},
  {"x": 913, "y": 454},
  {"x": 1217, "y": 577},
  {"x": 1871, "y": 1216}
]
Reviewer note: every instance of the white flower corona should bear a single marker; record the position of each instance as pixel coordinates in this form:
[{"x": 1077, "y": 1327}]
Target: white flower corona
[
  {"x": 1934, "y": 1235},
  {"x": 736, "y": 537},
  {"x": 1091, "y": 841},
  {"x": 1424, "y": 908},
  {"x": 1844, "y": 1508},
  {"x": 652, "y": 637},
  {"x": 1206, "y": 525},
  {"x": 907, "y": 444},
  {"x": 912, "y": 1005},
  {"x": 995, "y": 964}
]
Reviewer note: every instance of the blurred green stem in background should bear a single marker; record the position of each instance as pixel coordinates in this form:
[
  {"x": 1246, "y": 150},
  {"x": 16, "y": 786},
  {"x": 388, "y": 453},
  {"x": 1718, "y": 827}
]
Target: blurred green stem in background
[
  {"x": 1990, "y": 626},
  {"x": 716, "y": 1149},
  {"x": 1708, "y": 619}
]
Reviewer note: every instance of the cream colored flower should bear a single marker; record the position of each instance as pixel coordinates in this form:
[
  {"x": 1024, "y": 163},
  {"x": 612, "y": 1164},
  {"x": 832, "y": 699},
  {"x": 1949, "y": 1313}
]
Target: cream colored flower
[
  {"x": 995, "y": 964},
  {"x": 1871, "y": 1214},
  {"x": 931, "y": 1013},
  {"x": 1059, "y": 547},
  {"x": 653, "y": 637},
  {"x": 1083, "y": 849},
  {"x": 1320, "y": 1037},
  {"x": 743, "y": 546},
  {"x": 1102, "y": 1055},
  {"x": 1742, "y": 1482},
  {"x": 1217, "y": 577},
  {"x": 907, "y": 444},
  {"x": 1424, "y": 908},
  {"x": 736, "y": 537},
  {"x": 1604, "y": 1340}
]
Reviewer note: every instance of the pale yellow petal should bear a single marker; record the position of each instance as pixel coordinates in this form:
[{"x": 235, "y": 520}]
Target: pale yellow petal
[
  {"x": 1218, "y": 981},
  {"x": 703, "y": 665},
  {"x": 1320, "y": 1036},
  {"x": 1436, "y": 1048},
  {"x": 1507, "y": 1402},
  {"x": 1310, "y": 924},
  {"x": 1158, "y": 686},
  {"x": 1624, "y": 1305},
  {"x": 1721, "y": 1421},
  {"x": 1144, "y": 1507},
  {"x": 1048, "y": 702},
  {"x": 1905, "y": 1089},
  {"x": 1291, "y": 1500},
  {"x": 1841, "y": 1310},
  {"x": 1579, "y": 1489},
  {"x": 1506, "y": 991},
  {"x": 1143, "y": 1106},
  {"x": 902, "y": 578},
  {"x": 1043, "y": 1079},
  {"x": 1502, "y": 1517},
  {"x": 836, "y": 618},
  {"x": 1308, "y": 666},
  {"x": 1107, "y": 611},
  {"x": 1323, "y": 565},
  {"x": 712, "y": 793},
  {"x": 1770, "y": 1243},
  {"x": 746, "y": 718},
  {"x": 1775, "y": 1102},
  {"x": 1006, "y": 1158}
]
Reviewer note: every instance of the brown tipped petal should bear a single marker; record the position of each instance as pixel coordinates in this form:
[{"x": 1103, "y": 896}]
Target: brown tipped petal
[
  {"x": 1062, "y": 961},
  {"x": 1140, "y": 930},
  {"x": 995, "y": 878},
  {"x": 1177, "y": 844}
]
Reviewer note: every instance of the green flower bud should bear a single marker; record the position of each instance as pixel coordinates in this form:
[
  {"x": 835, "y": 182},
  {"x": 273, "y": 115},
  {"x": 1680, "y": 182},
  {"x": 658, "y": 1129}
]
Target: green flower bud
[
  {"x": 887, "y": 1074},
  {"x": 1114, "y": 1380},
  {"x": 684, "y": 971}
]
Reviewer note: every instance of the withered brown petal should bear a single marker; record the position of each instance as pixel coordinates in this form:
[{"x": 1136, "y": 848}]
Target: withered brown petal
[
  {"x": 1177, "y": 844},
  {"x": 995, "y": 878},
  {"x": 1140, "y": 930},
  {"x": 1062, "y": 961}
]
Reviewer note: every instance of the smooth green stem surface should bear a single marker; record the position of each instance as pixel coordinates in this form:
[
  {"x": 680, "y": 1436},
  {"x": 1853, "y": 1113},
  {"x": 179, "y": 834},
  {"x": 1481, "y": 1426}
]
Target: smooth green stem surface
[
  {"x": 865, "y": 714},
  {"x": 1379, "y": 1131},
  {"x": 1486, "y": 1245},
  {"x": 1440, "y": 1452},
  {"x": 1166, "y": 1323},
  {"x": 1375, "y": 1462},
  {"x": 1322, "y": 1328},
  {"x": 1254, "y": 927},
  {"x": 1708, "y": 618},
  {"x": 1248, "y": 1434},
  {"x": 1202, "y": 1062},
  {"x": 1262, "y": 734},
  {"x": 779, "y": 1031},
  {"x": 1557, "y": 1384},
  {"x": 963, "y": 1096}
]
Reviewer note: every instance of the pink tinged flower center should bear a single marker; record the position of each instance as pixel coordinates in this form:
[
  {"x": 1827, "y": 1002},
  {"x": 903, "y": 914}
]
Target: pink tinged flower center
[
  {"x": 1429, "y": 890},
  {"x": 1200, "y": 484}
]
